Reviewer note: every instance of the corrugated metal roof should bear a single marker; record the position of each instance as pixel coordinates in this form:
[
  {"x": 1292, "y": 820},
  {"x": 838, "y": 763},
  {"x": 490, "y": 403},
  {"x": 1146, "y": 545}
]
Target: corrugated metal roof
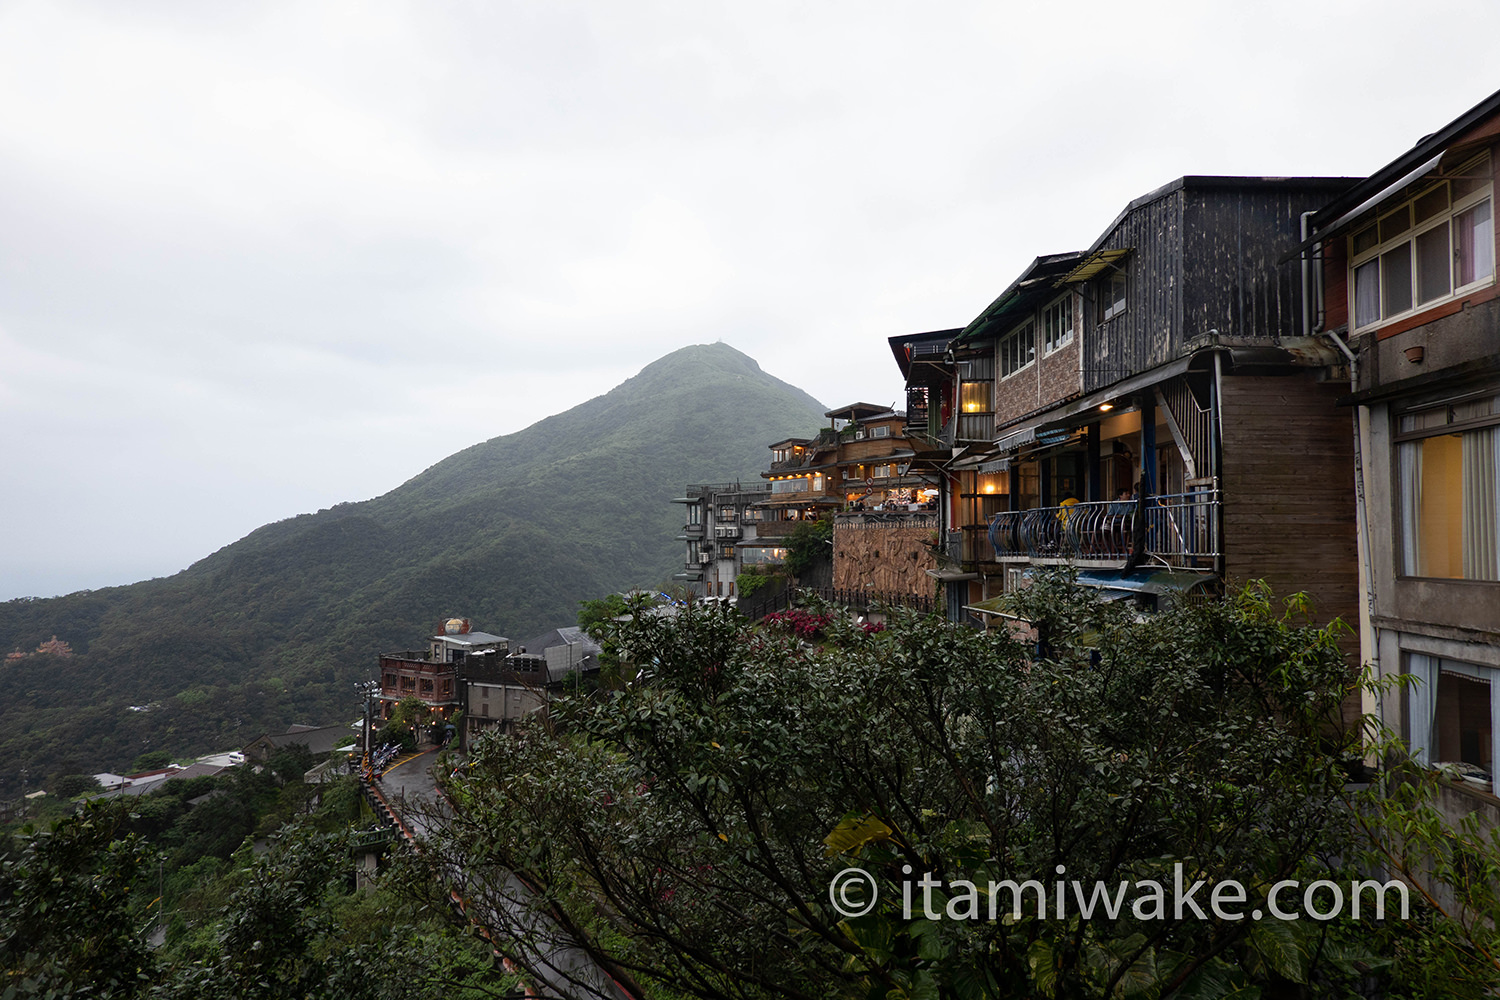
[{"x": 1093, "y": 265}]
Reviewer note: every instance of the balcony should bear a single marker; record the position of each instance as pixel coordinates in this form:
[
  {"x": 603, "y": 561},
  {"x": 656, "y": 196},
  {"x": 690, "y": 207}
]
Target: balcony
[{"x": 1182, "y": 531}]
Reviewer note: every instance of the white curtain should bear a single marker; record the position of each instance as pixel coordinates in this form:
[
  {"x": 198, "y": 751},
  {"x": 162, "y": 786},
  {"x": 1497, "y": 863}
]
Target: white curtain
[
  {"x": 1481, "y": 491},
  {"x": 1421, "y": 705},
  {"x": 1409, "y": 457}
]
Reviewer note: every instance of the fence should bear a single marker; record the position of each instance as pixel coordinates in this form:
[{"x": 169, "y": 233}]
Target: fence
[
  {"x": 1181, "y": 529},
  {"x": 855, "y": 598}
]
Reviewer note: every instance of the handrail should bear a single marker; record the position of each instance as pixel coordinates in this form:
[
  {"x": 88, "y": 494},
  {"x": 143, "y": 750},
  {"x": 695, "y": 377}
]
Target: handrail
[{"x": 1180, "y": 528}]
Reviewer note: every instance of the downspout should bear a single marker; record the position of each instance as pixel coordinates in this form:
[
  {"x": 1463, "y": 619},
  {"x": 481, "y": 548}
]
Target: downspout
[
  {"x": 1218, "y": 457},
  {"x": 1370, "y": 702}
]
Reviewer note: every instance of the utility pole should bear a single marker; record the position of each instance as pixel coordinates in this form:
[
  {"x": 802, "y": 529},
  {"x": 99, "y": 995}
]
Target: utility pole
[{"x": 367, "y": 691}]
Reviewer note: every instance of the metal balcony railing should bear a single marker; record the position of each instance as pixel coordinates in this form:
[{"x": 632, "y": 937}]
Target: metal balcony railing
[{"x": 1182, "y": 529}]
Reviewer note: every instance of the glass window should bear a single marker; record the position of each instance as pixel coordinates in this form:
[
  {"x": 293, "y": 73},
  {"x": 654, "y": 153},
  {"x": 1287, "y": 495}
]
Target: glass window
[
  {"x": 1112, "y": 297},
  {"x": 1427, "y": 250},
  {"x": 1017, "y": 350},
  {"x": 1057, "y": 325},
  {"x": 1451, "y": 716},
  {"x": 1395, "y": 280},
  {"x": 1432, "y": 264},
  {"x": 1449, "y": 488},
  {"x": 1395, "y": 224},
  {"x": 974, "y": 397},
  {"x": 1474, "y": 244},
  {"x": 1367, "y": 293}
]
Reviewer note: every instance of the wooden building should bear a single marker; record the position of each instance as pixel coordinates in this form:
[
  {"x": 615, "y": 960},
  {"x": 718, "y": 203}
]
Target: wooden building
[{"x": 1150, "y": 411}]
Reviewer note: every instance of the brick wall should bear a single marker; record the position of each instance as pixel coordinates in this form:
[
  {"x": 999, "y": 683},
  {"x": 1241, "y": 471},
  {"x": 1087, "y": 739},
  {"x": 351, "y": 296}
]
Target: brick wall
[{"x": 1050, "y": 380}]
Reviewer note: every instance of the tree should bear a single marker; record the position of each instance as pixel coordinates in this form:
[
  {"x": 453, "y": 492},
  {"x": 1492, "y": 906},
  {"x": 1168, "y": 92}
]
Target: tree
[
  {"x": 686, "y": 832},
  {"x": 66, "y": 924},
  {"x": 72, "y": 785},
  {"x": 809, "y": 542}
]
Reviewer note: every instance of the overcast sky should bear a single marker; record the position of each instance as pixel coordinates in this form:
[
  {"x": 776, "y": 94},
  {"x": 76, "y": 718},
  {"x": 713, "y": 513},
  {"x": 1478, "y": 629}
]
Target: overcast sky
[{"x": 258, "y": 259}]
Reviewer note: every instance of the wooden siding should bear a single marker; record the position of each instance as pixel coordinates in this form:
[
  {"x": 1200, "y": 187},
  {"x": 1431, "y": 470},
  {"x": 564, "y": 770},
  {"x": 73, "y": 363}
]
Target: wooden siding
[
  {"x": 1205, "y": 258},
  {"x": 1232, "y": 239},
  {"x": 1288, "y": 487},
  {"x": 1147, "y": 333}
]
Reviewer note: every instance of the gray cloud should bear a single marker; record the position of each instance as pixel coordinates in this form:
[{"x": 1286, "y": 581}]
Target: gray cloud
[{"x": 246, "y": 250}]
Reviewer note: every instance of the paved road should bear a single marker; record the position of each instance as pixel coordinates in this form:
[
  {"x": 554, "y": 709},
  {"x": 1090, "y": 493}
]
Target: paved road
[
  {"x": 410, "y": 788},
  {"x": 566, "y": 971}
]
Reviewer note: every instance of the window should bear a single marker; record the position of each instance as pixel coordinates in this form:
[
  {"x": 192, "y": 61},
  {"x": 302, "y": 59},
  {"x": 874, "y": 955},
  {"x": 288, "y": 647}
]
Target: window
[
  {"x": 796, "y": 484},
  {"x": 726, "y": 515},
  {"x": 1112, "y": 295},
  {"x": 1057, "y": 325},
  {"x": 882, "y": 431},
  {"x": 1017, "y": 349},
  {"x": 726, "y": 552},
  {"x": 1451, "y": 716},
  {"x": 1435, "y": 246},
  {"x": 694, "y": 550},
  {"x": 1448, "y": 479},
  {"x": 695, "y": 514},
  {"x": 974, "y": 397}
]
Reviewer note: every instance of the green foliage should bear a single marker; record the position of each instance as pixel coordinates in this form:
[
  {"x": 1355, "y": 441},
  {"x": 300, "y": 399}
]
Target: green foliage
[
  {"x": 151, "y": 760},
  {"x": 809, "y": 542},
  {"x": 753, "y": 579},
  {"x": 511, "y": 533},
  {"x": 72, "y": 785},
  {"x": 687, "y": 828},
  {"x": 67, "y": 927}
]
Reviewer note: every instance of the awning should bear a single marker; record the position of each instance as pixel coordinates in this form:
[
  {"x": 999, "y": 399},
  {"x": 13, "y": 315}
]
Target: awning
[
  {"x": 1016, "y": 439},
  {"x": 949, "y": 575},
  {"x": 1332, "y": 229},
  {"x": 1115, "y": 586},
  {"x": 798, "y": 500},
  {"x": 1147, "y": 581},
  {"x": 1092, "y": 265}
]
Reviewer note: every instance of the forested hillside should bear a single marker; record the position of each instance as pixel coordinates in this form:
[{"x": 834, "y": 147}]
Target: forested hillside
[{"x": 277, "y": 627}]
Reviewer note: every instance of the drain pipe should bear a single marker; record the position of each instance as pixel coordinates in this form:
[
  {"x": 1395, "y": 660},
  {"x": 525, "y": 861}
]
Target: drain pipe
[{"x": 1371, "y": 702}]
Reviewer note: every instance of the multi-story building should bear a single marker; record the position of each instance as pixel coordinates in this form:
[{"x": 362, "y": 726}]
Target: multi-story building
[
  {"x": 1148, "y": 410},
  {"x": 859, "y": 464},
  {"x": 1409, "y": 294},
  {"x": 436, "y": 675},
  {"x": 720, "y": 535}
]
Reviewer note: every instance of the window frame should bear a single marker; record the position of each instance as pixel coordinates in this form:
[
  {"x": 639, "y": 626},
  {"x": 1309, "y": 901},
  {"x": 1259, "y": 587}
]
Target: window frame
[
  {"x": 1024, "y": 333},
  {"x": 1110, "y": 304},
  {"x": 1402, "y": 520},
  {"x": 1052, "y": 344},
  {"x": 1377, "y": 253}
]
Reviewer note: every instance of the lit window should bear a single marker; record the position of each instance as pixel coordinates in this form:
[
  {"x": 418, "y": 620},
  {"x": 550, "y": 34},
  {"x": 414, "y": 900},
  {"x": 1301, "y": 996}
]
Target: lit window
[
  {"x": 974, "y": 397},
  {"x": 1448, "y": 475},
  {"x": 1429, "y": 249}
]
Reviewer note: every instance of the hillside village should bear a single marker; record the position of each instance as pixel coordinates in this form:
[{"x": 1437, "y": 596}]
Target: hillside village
[
  {"x": 1295, "y": 380},
  {"x": 1289, "y": 379},
  {"x": 1286, "y": 379}
]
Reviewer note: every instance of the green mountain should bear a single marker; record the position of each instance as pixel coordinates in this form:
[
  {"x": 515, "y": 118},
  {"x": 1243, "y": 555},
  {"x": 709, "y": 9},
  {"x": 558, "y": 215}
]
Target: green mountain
[{"x": 278, "y": 626}]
